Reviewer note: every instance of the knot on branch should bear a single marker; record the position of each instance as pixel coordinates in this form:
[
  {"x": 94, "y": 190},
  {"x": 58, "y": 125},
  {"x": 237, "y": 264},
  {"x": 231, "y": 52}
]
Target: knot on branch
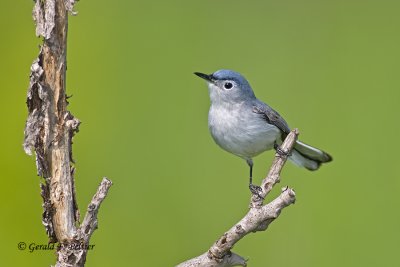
[
  {"x": 69, "y": 5},
  {"x": 288, "y": 195},
  {"x": 71, "y": 122},
  {"x": 239, "y": 229},
  {"x": 213, "y": 257},
  {"x": 264, "y": 224}
]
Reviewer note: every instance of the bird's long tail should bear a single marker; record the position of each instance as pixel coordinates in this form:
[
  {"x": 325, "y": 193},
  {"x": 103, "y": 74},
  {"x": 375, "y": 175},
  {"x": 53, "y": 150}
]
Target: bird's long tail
[{"x": 308, "y": 157}]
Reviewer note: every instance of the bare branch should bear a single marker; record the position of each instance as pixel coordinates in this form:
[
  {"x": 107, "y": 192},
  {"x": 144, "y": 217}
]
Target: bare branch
[
  {"x": 89, "y": 223},
  {"x": 49, "y": 130},
  {"x": 74, "y": 253},
  {"x": 258, "y": 218},
  {"x": 273, "y": 176}
]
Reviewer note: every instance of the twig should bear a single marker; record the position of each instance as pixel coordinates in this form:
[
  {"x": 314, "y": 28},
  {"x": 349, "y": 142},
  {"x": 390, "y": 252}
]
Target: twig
[
  {"x": 89, "y": 223},
  {"x": 257, "y": 218},
  {"x": 74, "y": 253}
]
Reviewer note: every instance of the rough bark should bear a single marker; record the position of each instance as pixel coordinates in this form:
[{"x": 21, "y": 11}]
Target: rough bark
[
  {"x": 49, "y": 130},
  {"x": 258, "y": 218}
]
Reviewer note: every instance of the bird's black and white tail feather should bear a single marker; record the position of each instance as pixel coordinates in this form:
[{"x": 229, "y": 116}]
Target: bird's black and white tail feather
[{"x": 308, "y": 157}]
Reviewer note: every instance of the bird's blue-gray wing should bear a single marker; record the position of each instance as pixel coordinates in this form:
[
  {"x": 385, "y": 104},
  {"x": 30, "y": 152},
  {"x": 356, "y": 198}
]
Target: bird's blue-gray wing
[
  {"x": 271, "y": 117},
  {"x": 311, "y": 157}
]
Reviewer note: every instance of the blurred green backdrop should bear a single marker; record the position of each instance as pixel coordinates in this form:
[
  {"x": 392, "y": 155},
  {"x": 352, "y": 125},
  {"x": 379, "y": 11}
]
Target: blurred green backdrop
[{"x": 329, "y": 67}]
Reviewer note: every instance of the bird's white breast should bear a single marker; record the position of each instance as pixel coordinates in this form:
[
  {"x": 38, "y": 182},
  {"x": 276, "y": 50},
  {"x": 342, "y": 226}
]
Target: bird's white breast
[{"x": 240, "y": 131}]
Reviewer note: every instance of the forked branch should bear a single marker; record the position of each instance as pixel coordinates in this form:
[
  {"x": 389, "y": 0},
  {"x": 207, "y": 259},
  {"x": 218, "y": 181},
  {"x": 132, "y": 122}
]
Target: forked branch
[
  {"x": 49, "y": 130},
  {"x": 257, "y": 218}
]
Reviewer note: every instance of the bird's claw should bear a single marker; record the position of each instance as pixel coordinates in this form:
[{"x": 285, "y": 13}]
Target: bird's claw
[
  {"x": 281, "y": 152},
  {"x": 256, "y": 190}
]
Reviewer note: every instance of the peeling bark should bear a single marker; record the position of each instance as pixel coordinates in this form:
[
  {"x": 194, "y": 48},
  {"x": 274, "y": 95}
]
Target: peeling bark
[{"x": 49, "y": 130}]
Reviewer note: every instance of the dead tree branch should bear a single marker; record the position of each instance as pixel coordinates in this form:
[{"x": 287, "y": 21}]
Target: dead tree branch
[
  {"x": 257, "y": 218},
  {"x": 49, "y": 130}
]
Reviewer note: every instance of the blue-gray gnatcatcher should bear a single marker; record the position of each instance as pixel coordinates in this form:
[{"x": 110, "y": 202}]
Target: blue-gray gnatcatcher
[{"x": 245, "y": 126}]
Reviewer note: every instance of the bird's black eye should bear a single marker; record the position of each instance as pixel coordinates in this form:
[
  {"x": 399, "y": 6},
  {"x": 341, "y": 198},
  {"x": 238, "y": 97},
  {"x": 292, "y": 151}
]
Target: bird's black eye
[{"x": 228, "y": 85}]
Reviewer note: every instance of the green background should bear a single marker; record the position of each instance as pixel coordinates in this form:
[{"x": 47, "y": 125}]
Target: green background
[{"x": 331, "y": 68}]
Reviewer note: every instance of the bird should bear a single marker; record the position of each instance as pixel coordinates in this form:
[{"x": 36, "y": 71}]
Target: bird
[{"x": 245, "y": 126}]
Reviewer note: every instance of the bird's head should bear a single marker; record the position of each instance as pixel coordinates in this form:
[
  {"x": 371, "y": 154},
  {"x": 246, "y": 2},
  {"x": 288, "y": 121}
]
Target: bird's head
[{"x": 227, "y": 86}]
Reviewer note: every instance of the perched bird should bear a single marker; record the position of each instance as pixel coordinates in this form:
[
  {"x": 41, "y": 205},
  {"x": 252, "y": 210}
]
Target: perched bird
[{"x": 245, "y": 126}]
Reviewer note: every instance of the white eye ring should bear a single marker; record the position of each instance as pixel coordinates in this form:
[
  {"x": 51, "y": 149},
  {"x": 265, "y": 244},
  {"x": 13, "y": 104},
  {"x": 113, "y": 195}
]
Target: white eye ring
[{"x": 228, "y": 85}]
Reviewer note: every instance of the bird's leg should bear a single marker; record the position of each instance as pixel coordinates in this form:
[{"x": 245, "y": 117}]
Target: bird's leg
[
  {"x": 251, "y": 171},
  {"x": 254, "y": 189},
  {"x": 280, "y": 151}
]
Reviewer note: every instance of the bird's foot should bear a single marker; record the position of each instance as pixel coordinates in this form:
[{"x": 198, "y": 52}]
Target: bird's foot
[
  {"x": 256, "y": 190},
  {"x": 281, "y": 152}
]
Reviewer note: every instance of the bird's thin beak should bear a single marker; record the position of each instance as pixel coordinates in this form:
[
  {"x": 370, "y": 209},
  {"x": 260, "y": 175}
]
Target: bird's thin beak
[{"x": 206, "y": 77}]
